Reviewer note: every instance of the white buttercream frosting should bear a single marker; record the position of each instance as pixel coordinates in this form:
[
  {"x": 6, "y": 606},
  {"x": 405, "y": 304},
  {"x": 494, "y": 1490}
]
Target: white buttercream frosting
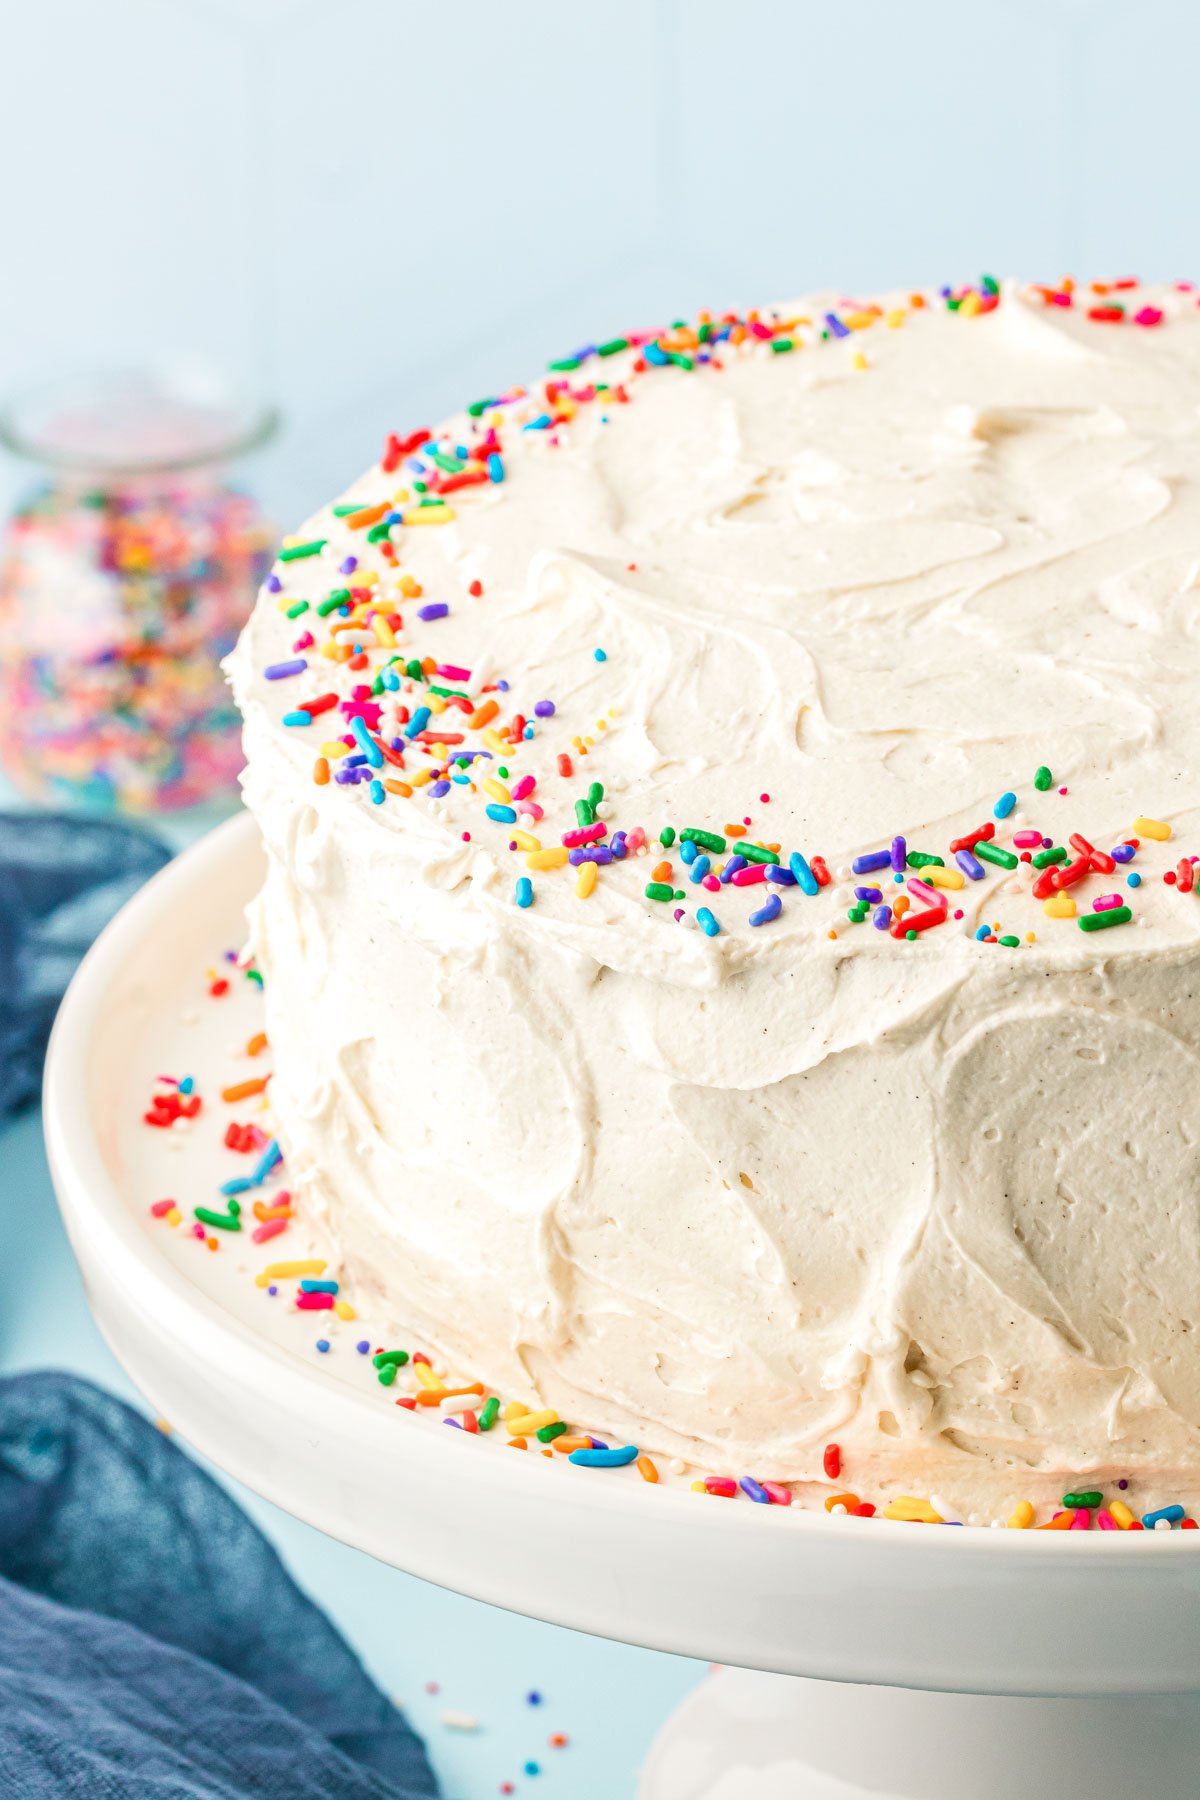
[{"x": 731, "y": 1197}]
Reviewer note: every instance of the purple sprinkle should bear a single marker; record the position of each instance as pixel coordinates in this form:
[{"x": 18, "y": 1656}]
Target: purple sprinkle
[
  {"x": 779, "y": 875},
  {"x": 1123, "y": 853},
  {"x": 881, "y": 918},
  {"x": 348, "y": 566},
  {"x": 1122, "y": 1484},
  {"x": 362, "y": 1346},
  {"x": 618, "y": 844},
  {"x": 272, "y": 1290},
  {"x": 899, "y": 855},
  {"x": 731, "y": 868},
  {"x": 439, "y": 789},
  {"x": 502, "y": 686},
  {"x": 970, "y": 865},
  {"x": 596, "y": 853},
  {"x": 874, "y": 859},
  {"x": 543, "y": 709},
  {"x": 437, "y": 609},
  {"x": 277, "y": 671},
  {"x": 274, "y": 585},
  {"x": 455, "y": 1422},
  {"x": 770, "y": 909},
  {"x": 678, "y": 914},
  {"x": 871, "y": 895},
  {"x": 836, "y": 327}
]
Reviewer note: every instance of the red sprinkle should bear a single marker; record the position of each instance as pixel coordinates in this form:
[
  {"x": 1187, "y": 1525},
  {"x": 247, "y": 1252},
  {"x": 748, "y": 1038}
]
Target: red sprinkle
[{"x": 832, "y": 1461}]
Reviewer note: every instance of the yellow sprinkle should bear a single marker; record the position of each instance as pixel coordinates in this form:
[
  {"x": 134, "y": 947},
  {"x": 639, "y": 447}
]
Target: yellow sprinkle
[
  {"x": 895, "y": 318},
  {"x": 1022, "y": 1517},
  {"x": 429, "y": 515},
  {"x": 436, "y": 703},
  {"x": 281, "y": 1271},
  {"x": 970, "y": 305},
  {"x": 497, "y": 790},
  {"x": 174, "y": 1216},
  {"x": 858, "y": 321},
  {"x": 859, "y": 360},
  {"x": 1121, "y": 1514},
  {"x": 344, "y": 1310},
  {"x": 421, "y": 777},
  {"x": 426, "y": 1377},
  {"x": 383, "y": 631},
  {"x": 524, "y": 840},
  {"x": 698, "y": 1487},
  {"x": 942, "y": 878},
  {"x": 400, "y": 496},
  {"x": 495, "y": 742},
  {"x": 514, "y": 1409},
  {"x": 526, "y": 1424},
  {"x": 915, "y": 1512},
  {"x": 1152, "y": 828},
  {"x": 1059, "y": 906},
  {"x": 554, "y": 858},
  {"x": 1031, "y": 937},
  {"x": 585, "y": 881},
  {"x": 410, "y": 587}
]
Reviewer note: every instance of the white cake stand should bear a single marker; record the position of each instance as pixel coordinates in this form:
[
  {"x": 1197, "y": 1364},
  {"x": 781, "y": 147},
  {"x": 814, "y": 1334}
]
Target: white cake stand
[{"x": 1109, "y": 1624}]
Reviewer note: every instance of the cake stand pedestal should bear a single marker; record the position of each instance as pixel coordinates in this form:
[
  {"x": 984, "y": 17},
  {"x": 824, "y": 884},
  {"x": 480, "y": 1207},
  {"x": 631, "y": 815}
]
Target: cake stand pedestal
[{"x": 1099, "y": 1631}]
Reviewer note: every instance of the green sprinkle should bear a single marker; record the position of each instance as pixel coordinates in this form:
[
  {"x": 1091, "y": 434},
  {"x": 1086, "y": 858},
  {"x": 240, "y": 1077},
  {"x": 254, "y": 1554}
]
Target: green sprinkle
[
  {"x": 334, "y": 598},
  {"x": 548, "y": 1433},
  {"x": 452, "y": 465},
  {"x": 612, "y": 346},
  {"x": 584, "y": 814},
  {"x": 705, "y": 840},
  {"x": 295, "y": 552},
  {"x": 1100, "y": 921},
  {"x": 397, "y": 1358},
  {"x": 680, "y": 360},
  {"x": 781, "y": 345},
  {"x": 756, "y": 854},
  {"x": 659, "y": 890},
  {"x": 449, "y": 693},
  {"x": 563, "y": 365},
  {"x": 986, "y": 851},
  {"x": 1009, "y": 941},
  {"x": 910, "y": 937},
  {"x": 595, "y": 793},
  {"x": 989, "y": 285},
  {"x": 378, "y": 532},
  {"x": 414, "y": 670},
  {"x": 223, "y": 1221},
  {"x": 293, "y": 612},
  {"x": 666, "y": 836},
  {"x": 254, "y": 975},
  {"x": 857, "y": 914},
  {"x": 487, "y": 1417},
  {"x": 351, "y": 506},
  {"x": 387, "y": 1373},
  {"x": 479, "y": 406},
  {"x": 1043, "y": 858},
  {"x": 1090, "y": 1497},
  {"x": 1042, "y": 779},
  {"x": 922, "y": 859}
]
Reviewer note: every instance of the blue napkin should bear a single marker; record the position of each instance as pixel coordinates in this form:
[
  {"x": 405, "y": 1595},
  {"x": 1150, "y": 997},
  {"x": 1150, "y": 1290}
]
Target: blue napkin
[
  {"x": 152, "y": 1645},
  {"x": 62, "y": 878}
]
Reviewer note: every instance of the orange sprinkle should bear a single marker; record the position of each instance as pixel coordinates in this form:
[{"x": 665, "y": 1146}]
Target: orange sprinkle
[
  {"x": 321, "y": 771},
  {"x": 566, "y": 1444},
  {"x": 1063, "y": 1522},
  {"x": 648, "y": 1472},
  {"x": 264, "y": 1213},
  {"x": 517, "y": 1444},
  {"x": 662, "y": 872},
  {"x": 257, "y": 1044},
  {"x": 367, "y": 515},
  {"x": 435, "y": 1396},
  {"x": 849, "y": 1501},
  {"x": 242, "y": 1090},
  {"x": 397, "y": 787},
  {"x": 735, "y": 831},
  {"x": 483, "y": 715}
]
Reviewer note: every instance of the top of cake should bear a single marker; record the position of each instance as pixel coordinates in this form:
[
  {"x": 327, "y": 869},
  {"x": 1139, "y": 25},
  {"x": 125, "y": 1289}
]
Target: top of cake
[{"x": 805, "y": 605}]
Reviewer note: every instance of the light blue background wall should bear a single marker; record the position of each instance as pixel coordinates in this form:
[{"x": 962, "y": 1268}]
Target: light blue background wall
[{"x": 374, "y": 210}]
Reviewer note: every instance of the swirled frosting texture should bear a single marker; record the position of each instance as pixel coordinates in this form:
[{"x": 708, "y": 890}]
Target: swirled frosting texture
[{"x": 733, "y": 1196}]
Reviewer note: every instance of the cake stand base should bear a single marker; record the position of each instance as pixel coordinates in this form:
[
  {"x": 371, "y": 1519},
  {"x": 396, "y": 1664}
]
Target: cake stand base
[{"x": 779, "y": 1737}]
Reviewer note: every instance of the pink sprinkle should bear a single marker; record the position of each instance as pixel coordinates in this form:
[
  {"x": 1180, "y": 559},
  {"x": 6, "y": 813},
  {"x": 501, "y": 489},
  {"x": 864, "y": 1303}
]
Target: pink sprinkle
[
  {"x": 1105, "y": 1520},
  {"x": 779, "y": 1495},
  {"x": 635, "y": 839},
  {"x": 453, "y": 673},
  {"x": 1082, "y": 1520},
  {"x": 1106, "y": 902},
  {"x": 305, "y": 641},
  {"x": 586, "y": 834},
  {"x": 198, "y": 1231},
  {"x": 1027, "y": 840},
  {"x": 1063, "y": 790},
  {"x": 1149, "y": 315},
  {"x": 525, "y": 786},
  {"x": 712, "y": 884},
  {"x": 765, "y": 799},
  {"x": 161, "y": 1208},
  {"x": 268, "y": 1229},
  {"x": 749, "y": 875},
  {"x": 314, "y": 1302}
]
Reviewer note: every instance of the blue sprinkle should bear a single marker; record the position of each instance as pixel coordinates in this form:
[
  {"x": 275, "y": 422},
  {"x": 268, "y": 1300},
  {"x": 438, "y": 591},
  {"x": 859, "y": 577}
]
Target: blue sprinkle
[
  {"x": 1004, "y": 805},
  {"x": 701, "y": 865},
  {"x": 881, "y": 918},
  {"x": 299, "y": 717},
  {"x": 803, "y": 873},
  {"x": 706, "y": 922},
  {"x": 543, "y": 422},
  {"x": 970, "y": 865},
  {"x": 619, "y": 847},
  {"x": 533, "y": 1698},
  {"x": 780, "y": 876},
  {"x": 1124, "y": 853},
  {"x": 271, "y": 1158},
  {"x": 241, "y": 1184},
  {"x": 495, "y": 467},
  {"x": 277, "y": 671},
  {"x": 527, "y": 733},
  {"x": 687, "y": 851},
  {"x": 731, "y": 868},
  {"x": 1172, "y": 1514},
  {"x": 503, "y": 815},
  {"x": 532, "y": 1768},
  {"x": 378, "y": 796},
  {"x": 391, "y": 681},
  {"x": 984, "y": 931},
  {"x": 652, "y": 353},
  {"x": 1133, "y": 879},
  {"x": 187, "y": 1085},
  {"x": 370, "y": 748},
  {"x": 419, "y": 721},
  {"x": 600, "y": 655},
  {"x": 755, "y": 1490},
  {"x": 318, "y": 1287},
  {"x": 362, "y": 1346},
  {"x": 604, "y": 1458},
  {"x": 874, "y": 859},
  {"x": 322, "y": 1345},
  {"x": 524, "y": 893},
  {"x": 437, "y": 609},
  {"x": 770, "y": 909}
]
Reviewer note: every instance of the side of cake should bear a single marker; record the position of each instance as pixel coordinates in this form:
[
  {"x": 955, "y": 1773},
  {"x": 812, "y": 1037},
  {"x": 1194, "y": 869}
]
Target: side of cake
[{"x": 718, "y": 961}]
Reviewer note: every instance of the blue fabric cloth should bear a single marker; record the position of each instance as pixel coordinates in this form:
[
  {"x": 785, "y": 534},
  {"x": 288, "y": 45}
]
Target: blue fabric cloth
[
  {"x": 61, "y": 880},
  {"x": 152, "y": 1645}
]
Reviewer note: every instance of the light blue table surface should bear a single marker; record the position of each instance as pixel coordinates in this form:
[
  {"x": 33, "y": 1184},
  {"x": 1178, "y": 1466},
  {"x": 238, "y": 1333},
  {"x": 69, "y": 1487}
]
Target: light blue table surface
[{"x": 609, "y": 1698}]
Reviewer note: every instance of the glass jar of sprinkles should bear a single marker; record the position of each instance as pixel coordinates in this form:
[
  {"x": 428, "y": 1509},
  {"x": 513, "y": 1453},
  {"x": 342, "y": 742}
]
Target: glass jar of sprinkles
[{"x": 127, "y": 574}]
